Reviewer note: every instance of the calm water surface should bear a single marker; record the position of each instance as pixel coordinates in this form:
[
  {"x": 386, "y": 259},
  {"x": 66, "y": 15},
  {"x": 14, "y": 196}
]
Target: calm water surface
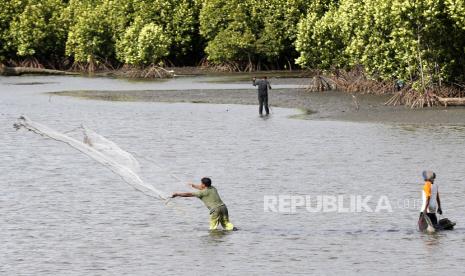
[{"x": 64, "y": 214}]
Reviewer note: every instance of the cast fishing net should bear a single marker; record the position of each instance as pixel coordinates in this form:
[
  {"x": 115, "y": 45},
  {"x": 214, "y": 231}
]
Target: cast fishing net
[{"x": 101, "y": 150}]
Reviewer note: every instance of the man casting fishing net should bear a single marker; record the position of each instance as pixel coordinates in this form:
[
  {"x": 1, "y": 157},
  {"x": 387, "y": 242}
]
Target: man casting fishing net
[
  {"x": 210, "y": 197},
  {"x": 263, "y": 86}
]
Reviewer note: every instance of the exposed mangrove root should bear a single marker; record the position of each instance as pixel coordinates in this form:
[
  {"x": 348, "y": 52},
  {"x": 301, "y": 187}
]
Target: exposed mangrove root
[
  {"x": 434, "y": 96},
  {"x": 223, "y": 67},
  {"x": 413, "y": 99},
  {"x": 419, "y": 100},
  {"x": 353, "y": 81},
  {"x": 62, "y": 64},
  {"x": 357, "y": 105},
  {"x": 356, "y": 82},
  {"x": 29, "y": 62},
  {"x": 92, "y": 66},
  {"x": 148, "y": 72},
  {"x": 320, "y": 84},
  {"x": 396, "y": 99},
  {"x": 241, "y": 66}
]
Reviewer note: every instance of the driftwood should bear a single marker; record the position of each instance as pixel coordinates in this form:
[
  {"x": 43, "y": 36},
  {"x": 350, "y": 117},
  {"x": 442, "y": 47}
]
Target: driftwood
[
  {"x": 18, "y": 71},
  {"x": 452, "y": 101}
]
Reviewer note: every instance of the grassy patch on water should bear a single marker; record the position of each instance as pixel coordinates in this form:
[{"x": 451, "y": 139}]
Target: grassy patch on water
[{"x": 304, "y": 114}]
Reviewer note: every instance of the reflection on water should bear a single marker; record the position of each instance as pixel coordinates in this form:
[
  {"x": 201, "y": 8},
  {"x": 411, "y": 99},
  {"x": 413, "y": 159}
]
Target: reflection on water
[
  {"x": 432, "y": 241},
  {"x": 64, "y": 214}
]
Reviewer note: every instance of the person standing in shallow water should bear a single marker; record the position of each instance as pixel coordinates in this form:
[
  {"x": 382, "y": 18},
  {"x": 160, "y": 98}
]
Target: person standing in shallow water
[
  {"x": 263, "y": 86},
  {"x": 210, "y": 197},
  {"x": 430, "y": 195}
]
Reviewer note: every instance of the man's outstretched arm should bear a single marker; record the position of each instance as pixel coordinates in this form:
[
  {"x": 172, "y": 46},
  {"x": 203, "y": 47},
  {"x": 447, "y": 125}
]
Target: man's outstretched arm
[{"x": 183, "y": 195}]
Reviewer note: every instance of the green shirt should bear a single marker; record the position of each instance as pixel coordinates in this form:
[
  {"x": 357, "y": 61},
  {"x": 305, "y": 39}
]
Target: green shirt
[{"x": 210, "y": 197}]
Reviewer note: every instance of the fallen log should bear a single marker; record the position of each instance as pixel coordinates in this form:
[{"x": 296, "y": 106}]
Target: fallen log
[
  {"x": 18, "y": 71},
  {"x": 452, "y": 101}
]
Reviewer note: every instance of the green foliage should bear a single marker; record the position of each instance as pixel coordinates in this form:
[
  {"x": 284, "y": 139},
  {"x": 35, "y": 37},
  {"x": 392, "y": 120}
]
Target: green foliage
[
  {"x": 178, "y": 19},
  {"x": 153, "y": 44},
  {"x": 182, "y": 28},
  {"x": 396, "y": 39},
  {"x": 373, "y": 47},
  {"x": 421, "y": 41},
  {"x": 230, "y": 29},
  {"x": 456, "y": 10},
  {"x": 9, "y": 11},
  {"x": 90, "y": 37},
  {"x": 39, "y": 29},
  {"x": 250, "y": 30},
  {"x": 279, "y": 19},
  {"x": 319, "y": 39},
  {"x": 127, "y": 49},
  {"x": 143, "y": 44}
]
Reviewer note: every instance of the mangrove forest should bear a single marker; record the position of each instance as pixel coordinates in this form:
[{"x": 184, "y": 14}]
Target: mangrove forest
[{"x": 418, "y": 44}]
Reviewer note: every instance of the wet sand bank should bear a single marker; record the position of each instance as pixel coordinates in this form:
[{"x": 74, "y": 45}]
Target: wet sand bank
[{"x": 319, "y": 106}]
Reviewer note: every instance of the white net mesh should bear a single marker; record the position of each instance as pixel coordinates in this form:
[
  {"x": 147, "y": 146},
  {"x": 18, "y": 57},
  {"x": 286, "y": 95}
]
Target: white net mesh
[
  {"x": 101, "y": 150},
  {"x": 110, "y": 149}
]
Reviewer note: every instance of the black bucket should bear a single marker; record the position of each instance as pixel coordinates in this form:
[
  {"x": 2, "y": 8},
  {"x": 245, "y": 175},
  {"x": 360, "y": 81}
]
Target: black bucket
[{"x": 445, "y": 224}]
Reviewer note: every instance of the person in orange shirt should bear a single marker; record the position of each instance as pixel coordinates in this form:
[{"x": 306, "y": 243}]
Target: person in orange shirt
[{"x": 430, "y": 195}]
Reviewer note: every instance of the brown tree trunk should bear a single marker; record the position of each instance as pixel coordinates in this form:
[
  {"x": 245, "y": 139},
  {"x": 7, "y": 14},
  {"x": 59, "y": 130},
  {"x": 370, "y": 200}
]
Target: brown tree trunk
[
  {"x": 452, "y": 101},
  {"x": 18, "y": 71}
]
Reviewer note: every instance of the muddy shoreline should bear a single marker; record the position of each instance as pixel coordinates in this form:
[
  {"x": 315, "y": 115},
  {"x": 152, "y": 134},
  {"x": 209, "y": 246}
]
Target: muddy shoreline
[{"x": 331, "y": 105}]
